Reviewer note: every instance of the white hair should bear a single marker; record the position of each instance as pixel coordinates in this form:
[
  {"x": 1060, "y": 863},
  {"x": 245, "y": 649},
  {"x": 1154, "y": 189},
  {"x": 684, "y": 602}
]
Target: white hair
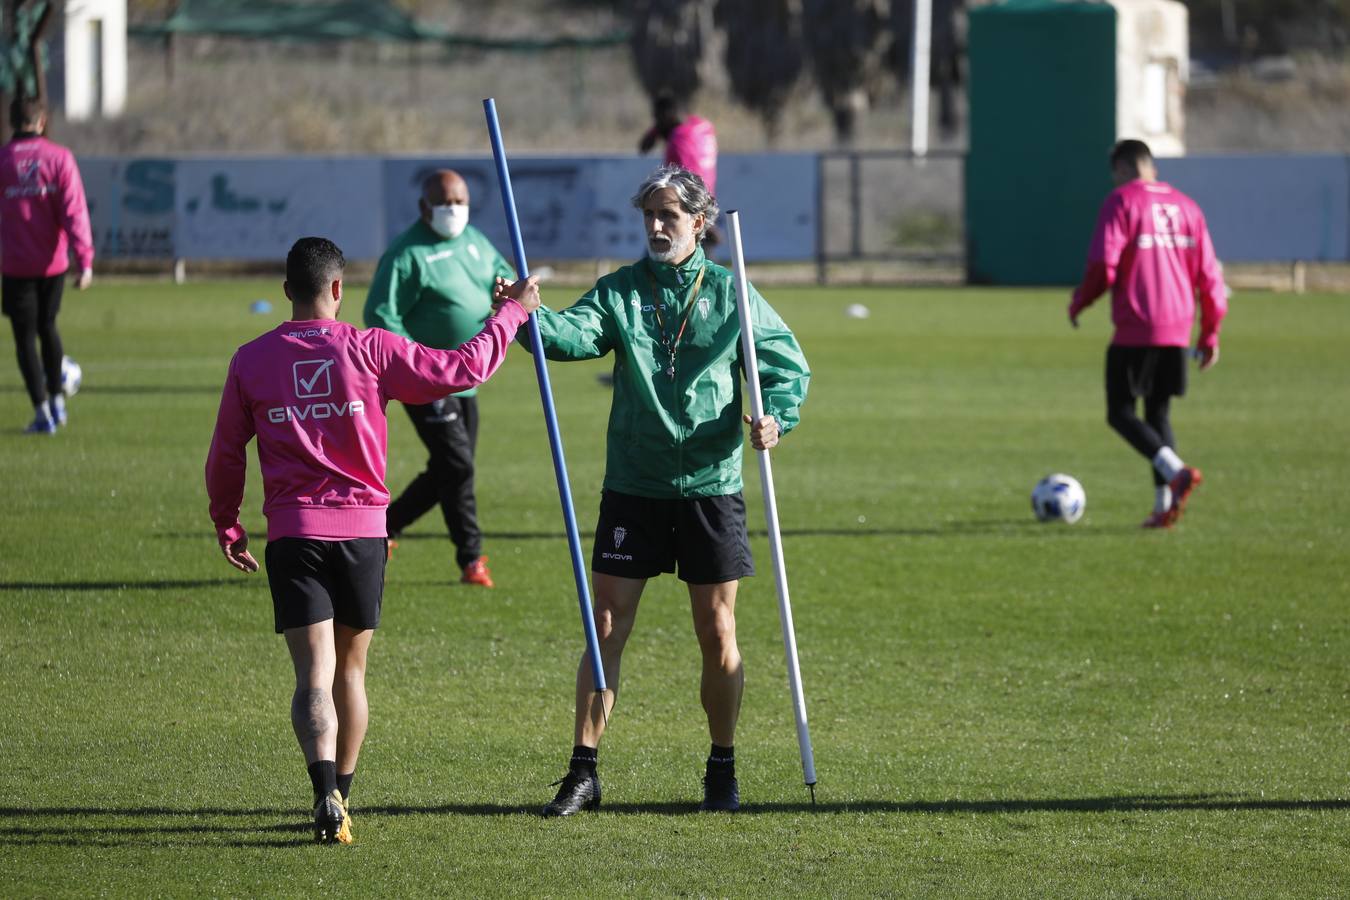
[{"x": 688, "y": 187}]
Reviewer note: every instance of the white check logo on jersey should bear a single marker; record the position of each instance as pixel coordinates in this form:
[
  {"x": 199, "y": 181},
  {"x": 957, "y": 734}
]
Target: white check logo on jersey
[
  {"x": 312, "y": 378},
  {"x": 1166, "y": 230},
  {"x": 1166, "y": 218}
]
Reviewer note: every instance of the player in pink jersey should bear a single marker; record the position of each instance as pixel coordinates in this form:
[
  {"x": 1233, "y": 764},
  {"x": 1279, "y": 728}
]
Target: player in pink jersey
[
  {"x": 43, "y": 220},
  {"x": 691, "y": 143},
  {"x": 313, "y": 391},
  {"x": 1152, "y": 250}
]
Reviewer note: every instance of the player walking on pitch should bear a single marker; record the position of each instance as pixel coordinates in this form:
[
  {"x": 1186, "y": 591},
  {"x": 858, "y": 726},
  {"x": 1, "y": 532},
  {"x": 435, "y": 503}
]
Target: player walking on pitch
[
  {"x": 43, "y": 217},
  {"x": 672, "y": 488},
  {"x": 313, "y": 391},
  {"x": 434, "y": 285},
  {"x": 1152, "y": 250}
]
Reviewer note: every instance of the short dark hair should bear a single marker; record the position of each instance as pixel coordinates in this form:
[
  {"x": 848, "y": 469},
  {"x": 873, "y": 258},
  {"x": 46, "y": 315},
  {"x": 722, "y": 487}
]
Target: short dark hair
[
  {"x": 25, "y": 111},
  {"x": 1131, "y": 153},
  {"x": 312, "y": 265}
]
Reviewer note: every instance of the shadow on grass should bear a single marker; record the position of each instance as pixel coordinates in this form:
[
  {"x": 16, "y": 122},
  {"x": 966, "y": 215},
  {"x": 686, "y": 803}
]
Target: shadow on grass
[
  {"x": 943, "y": 529},
  {"x": 163, "y": 585},
  {"x": 102, "y": 826},
  {"x": 96, "y": 832},
  {"x": 976, "y": 527},
  {"x": 1203, "y": 802}
]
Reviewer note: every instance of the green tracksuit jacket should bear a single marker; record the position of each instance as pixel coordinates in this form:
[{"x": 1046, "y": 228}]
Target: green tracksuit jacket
[
  {"x": 677, "y": 436},
  {"x": 436, "y": 291}
]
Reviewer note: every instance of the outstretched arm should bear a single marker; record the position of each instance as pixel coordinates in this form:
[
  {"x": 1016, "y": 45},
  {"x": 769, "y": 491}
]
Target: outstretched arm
[
  {"x": 417, "y": 374},
  {"x": 575, "y": 333}
]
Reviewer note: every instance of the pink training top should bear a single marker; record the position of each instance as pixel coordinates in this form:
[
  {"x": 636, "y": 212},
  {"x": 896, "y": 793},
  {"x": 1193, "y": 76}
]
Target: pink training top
[
  {"x": 1152, "y": 249},
  {"x": 693, "y": 145},
  {"x": 41, "y": 202},
  {"x": 314, "y": 393}
]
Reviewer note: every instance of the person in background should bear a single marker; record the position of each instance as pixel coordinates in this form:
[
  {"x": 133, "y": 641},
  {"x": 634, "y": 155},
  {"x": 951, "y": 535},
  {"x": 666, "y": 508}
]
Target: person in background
[
  {"x": 1151, "y": 249},
  {"x": 691, "y": 144},
  {"x": 44, "y": 219},
  {"x": 434, "y": 285}
]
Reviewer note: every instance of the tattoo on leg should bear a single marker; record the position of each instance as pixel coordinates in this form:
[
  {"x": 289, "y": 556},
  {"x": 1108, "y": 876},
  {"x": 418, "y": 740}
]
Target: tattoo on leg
[{"x": 311, "y": 711}]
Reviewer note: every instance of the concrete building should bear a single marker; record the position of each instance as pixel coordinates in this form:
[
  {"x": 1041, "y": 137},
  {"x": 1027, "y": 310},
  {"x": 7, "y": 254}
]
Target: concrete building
[{"x": 87, "y": 78}]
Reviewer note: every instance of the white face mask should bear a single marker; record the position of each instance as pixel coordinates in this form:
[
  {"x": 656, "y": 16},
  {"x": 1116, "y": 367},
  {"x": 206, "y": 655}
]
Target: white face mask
[{"x": 449, "y": 221}]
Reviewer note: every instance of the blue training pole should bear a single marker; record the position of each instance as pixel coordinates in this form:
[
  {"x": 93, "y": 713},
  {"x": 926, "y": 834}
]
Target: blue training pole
[{"x": 546, "y": 397}]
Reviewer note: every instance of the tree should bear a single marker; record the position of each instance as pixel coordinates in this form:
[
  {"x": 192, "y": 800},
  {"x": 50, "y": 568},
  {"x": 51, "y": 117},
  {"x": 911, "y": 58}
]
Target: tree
[
  {"x": 848, "y": 40},
  {"x": 764, "y": 53},
  {"x": 667, "y": 42},
  {"x": 21, "y": 71}
]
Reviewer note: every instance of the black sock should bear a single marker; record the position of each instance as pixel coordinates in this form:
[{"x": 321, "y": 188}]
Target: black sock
[
  {"x": 583, "y": 758},
  {"x": 344, "y": 784},
  {"x": 722, "y": 760},
  {"x": 323, "y": 775}
]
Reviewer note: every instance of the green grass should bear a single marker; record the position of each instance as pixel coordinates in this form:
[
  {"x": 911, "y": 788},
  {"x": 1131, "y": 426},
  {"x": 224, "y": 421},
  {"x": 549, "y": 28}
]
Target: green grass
[{"x": 998, "y": 707}]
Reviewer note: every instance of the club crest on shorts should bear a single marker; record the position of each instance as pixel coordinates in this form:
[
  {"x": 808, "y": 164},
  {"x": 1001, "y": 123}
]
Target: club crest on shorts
[
  {"x": 704, "y": 304},
  {"x": 619, "y": 534}
]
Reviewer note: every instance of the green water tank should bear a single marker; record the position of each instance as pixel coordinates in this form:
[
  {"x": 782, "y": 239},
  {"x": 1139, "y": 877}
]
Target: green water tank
[{"x": 1042, "y": 123}]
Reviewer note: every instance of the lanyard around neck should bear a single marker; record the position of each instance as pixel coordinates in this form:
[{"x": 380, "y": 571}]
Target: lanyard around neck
[{"x": 688, "y": 307}]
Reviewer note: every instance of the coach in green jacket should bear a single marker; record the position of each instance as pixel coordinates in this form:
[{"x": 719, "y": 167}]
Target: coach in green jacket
[
  {"x": 434, "y": 285},
  {"x": 672, "y": 490}
]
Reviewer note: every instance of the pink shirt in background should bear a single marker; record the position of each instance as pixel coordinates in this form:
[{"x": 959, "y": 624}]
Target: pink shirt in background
[
  {"x": 42, "y": 205},
  {"x": 314, "y": 394},
  {"x": 1153, "y": 250},
  {"x": 693, "y": 145}
]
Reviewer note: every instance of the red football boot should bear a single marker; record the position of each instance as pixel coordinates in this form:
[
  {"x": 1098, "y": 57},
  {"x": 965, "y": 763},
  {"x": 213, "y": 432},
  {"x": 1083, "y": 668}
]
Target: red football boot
[
  {"x": 477, "y": 572},
  {"x": 1187, "y": 480},
  {"x": 1157, "y": 520}
]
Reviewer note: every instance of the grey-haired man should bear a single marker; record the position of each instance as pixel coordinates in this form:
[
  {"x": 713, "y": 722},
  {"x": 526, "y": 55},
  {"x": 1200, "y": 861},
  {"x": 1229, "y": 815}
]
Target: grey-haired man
[{"x": 672, "y": 489}]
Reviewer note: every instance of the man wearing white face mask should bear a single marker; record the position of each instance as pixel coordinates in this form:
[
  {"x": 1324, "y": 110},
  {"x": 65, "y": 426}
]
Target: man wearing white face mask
[{"x": 434, "y": 285}]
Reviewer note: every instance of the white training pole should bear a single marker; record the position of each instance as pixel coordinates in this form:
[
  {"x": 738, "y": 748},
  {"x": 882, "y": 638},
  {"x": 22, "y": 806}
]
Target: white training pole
[
  {"x": 918, "y": 77},
  {"x": 771, "y": 508}
]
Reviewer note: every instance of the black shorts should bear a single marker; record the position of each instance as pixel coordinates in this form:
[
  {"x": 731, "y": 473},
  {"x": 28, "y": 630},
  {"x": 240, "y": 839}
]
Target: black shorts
[
  {"x": 640, "y": 537},
  {"x": 34, "y": 299},
  {"x": 1133, "y": 372},
  {"x": 313, "y": 581}
]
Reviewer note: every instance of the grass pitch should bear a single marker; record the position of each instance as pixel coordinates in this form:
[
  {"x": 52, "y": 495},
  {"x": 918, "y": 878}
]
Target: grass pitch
[{"x": 998, "y": 707}]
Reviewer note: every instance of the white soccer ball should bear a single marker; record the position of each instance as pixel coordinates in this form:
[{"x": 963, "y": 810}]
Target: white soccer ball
[
  {"x": 71, "y": 376},
  {"x": 1058, "y": 498},
  {"x": 857, "y": 311}
]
